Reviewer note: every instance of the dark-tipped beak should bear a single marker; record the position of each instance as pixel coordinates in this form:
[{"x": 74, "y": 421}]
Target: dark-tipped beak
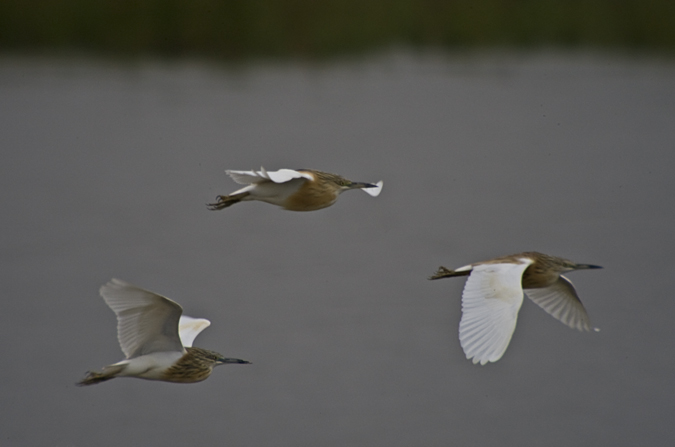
[
  {"x": 372, "y": 189},
  {"x": 587, "y": 266},
  {"x": 361, "y": 185},
  {"x": 228, "y": 360}
]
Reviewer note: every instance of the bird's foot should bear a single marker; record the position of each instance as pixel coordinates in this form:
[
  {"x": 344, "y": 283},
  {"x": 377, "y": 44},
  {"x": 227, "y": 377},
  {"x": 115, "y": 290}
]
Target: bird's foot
[
  {"x": 222, "y": 202},
  {"x": 442, "y": 272}
]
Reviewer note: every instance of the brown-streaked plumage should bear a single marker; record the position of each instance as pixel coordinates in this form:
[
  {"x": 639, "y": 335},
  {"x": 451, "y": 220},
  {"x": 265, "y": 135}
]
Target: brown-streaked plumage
[
  {"x": 156, "y": 339},
  {"x": 493, "y": 295},
  {"x": 293, "y": 190}
]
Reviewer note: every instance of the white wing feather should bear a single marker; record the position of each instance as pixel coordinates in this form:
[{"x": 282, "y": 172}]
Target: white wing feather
[
  {"x": 189, "y": 328},
  {"x": 374, "y": 191},
  {"x": 562, "y": 302},
  {"x": 285, "y": 175},
  {"x": 280, "y": 176},
  {"x": 246, "y": 177},
  {"x": 146, "y": 322},
  {"x": 490, "y": 303}
]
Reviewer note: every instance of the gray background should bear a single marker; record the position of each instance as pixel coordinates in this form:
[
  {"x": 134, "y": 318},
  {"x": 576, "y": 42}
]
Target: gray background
[{"x": 106, "y": 171}]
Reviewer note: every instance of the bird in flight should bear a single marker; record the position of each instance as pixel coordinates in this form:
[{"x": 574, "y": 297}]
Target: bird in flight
[
  {"x": 493, "y": 295},
  {"x": 293, "y": 190},
  {"x": 156, "y": 339}
]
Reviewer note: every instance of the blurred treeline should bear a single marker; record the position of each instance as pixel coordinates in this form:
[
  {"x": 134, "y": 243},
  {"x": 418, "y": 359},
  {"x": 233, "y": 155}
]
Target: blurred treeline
[{"x": 239, "y": 29}]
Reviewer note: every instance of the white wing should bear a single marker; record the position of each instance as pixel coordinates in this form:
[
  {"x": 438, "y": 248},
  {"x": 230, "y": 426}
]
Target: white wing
[
  {"x": 189, "y": 328},
  {"x": 490, "y": 303},
  {"x": 562, "y": 302},
  {"x": 146, "y": 322},
  {"x": 374, "y": 191},
  {"x": 280, "y": 176},
  {"x": 285, "y": 175},
  {"x": 245, "y": 177}
]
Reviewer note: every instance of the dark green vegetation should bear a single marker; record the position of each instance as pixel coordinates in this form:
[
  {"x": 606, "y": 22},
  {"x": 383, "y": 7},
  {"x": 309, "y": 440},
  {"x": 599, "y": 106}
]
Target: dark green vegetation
[{"x": 238, "y": 29}]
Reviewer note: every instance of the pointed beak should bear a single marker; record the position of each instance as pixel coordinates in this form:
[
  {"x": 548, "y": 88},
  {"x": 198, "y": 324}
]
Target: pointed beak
[
  {"x": 372, "y": 189},
  {"x": 224, "y": 360},
  {"x": 361, "y": 185},
  {"x": 587, "y": 266}
]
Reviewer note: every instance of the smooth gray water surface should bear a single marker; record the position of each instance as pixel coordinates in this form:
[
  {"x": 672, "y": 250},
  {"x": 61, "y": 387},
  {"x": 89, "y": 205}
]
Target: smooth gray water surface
[{"x": 106, "y": 171}]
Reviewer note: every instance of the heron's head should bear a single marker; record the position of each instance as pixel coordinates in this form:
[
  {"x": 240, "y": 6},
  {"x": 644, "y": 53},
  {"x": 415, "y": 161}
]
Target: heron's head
[
  {"x": 372, "y": 189},
  {"x": 543, "y": 263},
  {"x": 565, "y": 265}
]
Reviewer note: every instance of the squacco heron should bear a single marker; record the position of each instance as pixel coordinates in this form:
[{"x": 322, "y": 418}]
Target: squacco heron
[
  {"x": 294, "y": 190},
  {"x": 493, "y": 295},
  {"x": 156, "y": 339}
]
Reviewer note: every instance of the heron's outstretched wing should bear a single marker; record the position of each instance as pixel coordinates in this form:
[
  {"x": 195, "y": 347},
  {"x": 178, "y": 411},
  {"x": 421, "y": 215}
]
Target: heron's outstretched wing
[
  {"x": 280, "y": 176},
  {"x": 146, "y": 322},
  {"x": 562, "y": 302},
  {"x": 189, "y": 328},
  {"x": 490, "y": 303}
]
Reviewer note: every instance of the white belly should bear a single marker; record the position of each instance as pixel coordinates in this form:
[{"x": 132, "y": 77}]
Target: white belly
[{"x": 274, "y": 193}]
